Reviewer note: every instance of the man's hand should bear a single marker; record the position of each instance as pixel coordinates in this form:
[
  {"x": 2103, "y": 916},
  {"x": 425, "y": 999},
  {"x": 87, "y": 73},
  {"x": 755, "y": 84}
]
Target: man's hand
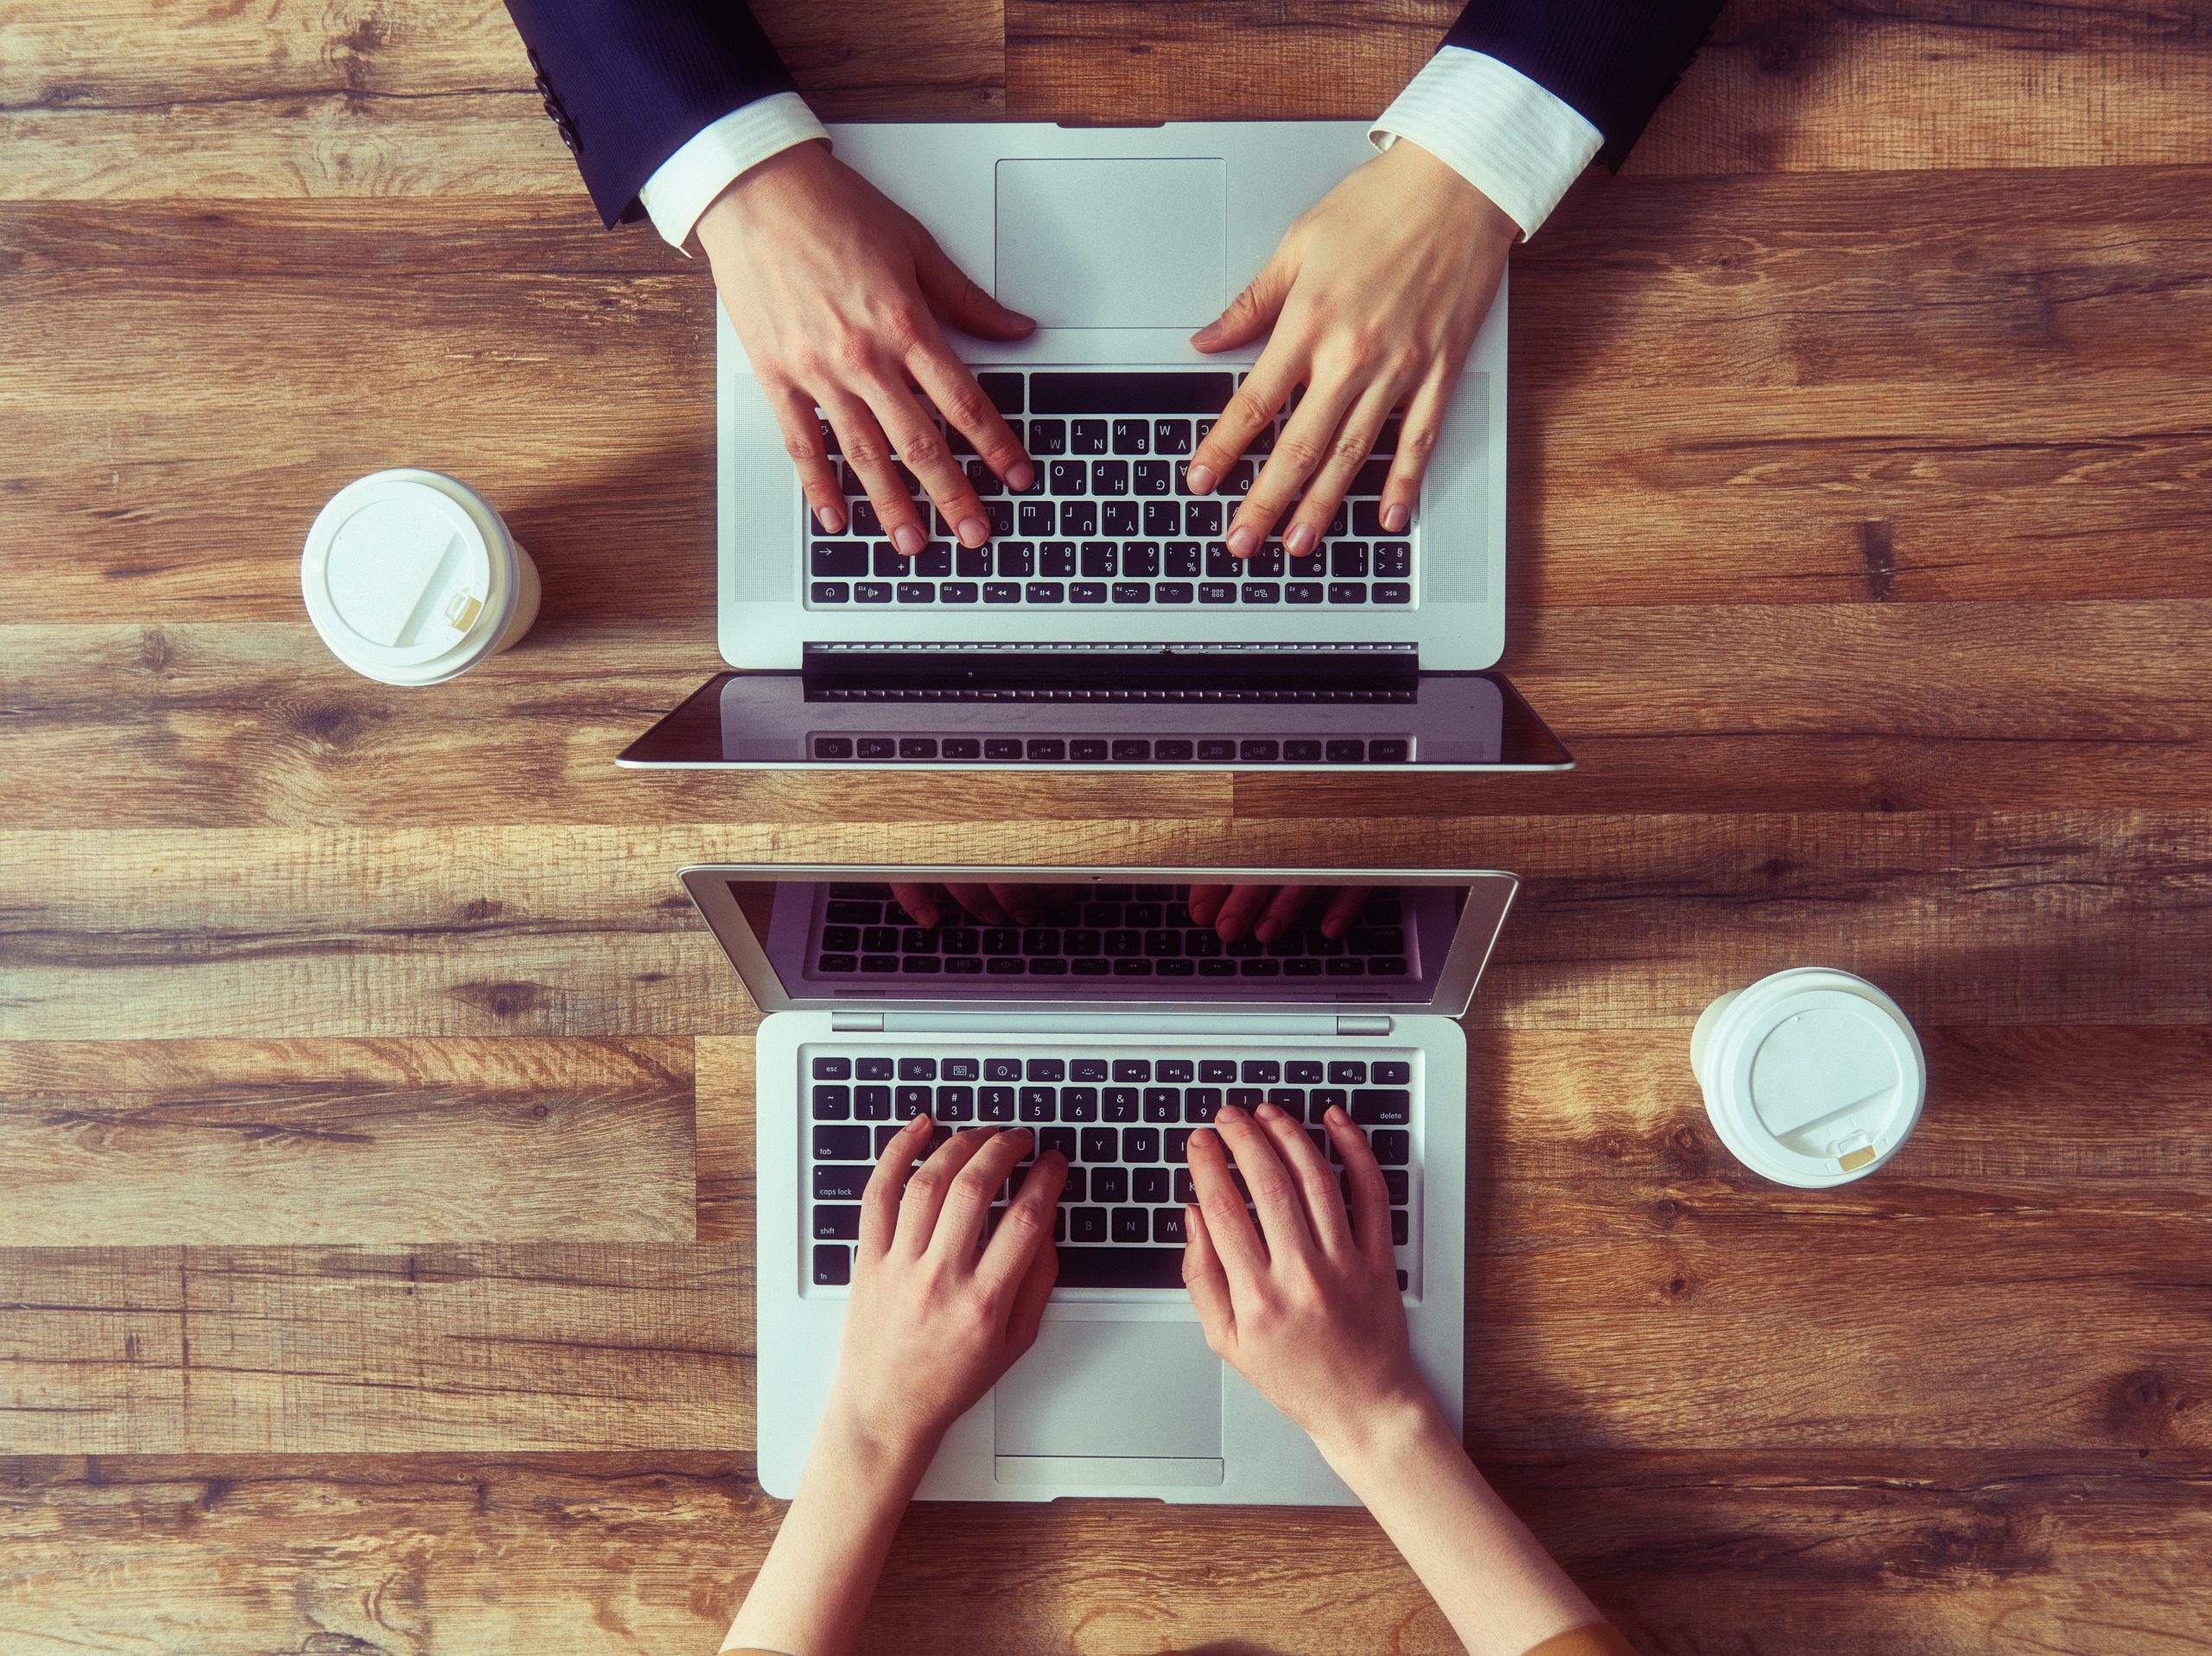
[
  {"x": 1266, "y": 911},
  {"x": 997, "y": 903},
  {"x": 1374, "y": 295},
  {"x": 937, "y": 1313},
  {"x": 1312, "y": 1317},
  {"x": 837, "y": 293}
]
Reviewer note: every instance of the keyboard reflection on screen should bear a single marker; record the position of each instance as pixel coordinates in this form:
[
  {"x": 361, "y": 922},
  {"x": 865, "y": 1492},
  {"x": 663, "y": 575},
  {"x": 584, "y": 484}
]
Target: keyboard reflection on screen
[{"x": 1113, "y": 750}]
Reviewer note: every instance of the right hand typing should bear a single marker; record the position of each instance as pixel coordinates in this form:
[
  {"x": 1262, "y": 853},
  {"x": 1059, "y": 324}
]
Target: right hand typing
[
  {"x": 1311, "y": 1315},
  {"x": 837, "y": 293}
]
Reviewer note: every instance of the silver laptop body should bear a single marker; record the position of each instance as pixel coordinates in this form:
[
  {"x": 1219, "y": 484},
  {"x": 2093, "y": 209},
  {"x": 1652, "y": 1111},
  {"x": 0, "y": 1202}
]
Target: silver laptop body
[{"x": 1120, "y": 1396}]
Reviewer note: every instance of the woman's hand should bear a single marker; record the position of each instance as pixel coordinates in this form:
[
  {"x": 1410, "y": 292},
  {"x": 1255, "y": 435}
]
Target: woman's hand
[
  {"x": 1267, "y": 911},
  {"x": 836, "y": 292},
  {"x": 937, "y": 1313},
  {"x": 1311, "y": 1315},
  {"x": 1375, "y": 295}
]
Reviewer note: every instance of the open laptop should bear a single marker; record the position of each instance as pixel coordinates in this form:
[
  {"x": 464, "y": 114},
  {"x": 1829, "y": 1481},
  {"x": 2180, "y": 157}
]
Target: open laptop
[
  {"x": 1106, "y": 626},
  {"x": 1112, "y": 1027}
]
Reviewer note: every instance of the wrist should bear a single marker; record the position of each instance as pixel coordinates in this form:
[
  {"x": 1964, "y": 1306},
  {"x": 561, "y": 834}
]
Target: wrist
[
  {"x": 761, "y": 189},
  {"x": 893, "y": 1453},
  {"x": 1448, "y": 190},
  {"x": 1365, "y": 1444}
]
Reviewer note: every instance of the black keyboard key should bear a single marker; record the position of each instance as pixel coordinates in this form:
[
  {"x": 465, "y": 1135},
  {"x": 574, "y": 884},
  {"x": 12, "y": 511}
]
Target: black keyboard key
[
  {"x": 1168, "y": 1225},
  {"x": 1218, "y": 591},
  {"x": 833, "y": 1266},
  {"x": 845, "y": 558},
  {"x": 994, "y": 1104},
  {"x": 1301, "y": 753},
  {"x": 1132, "y": 591},
  {"x": 1171, "y": 592},
  {"x": 1001, "y": 591},
  {"x": 1389, "y": 1106},
  {"x": 1175, "y": 1146},
  {"x": 1393, "y": 1073},
  {"x": 1393, "y": 560},
  {"x": 1087, "y": 1225},
  {"x": 836, "y": 1222},
  {"x": 1186, "y": 1190},
  {"x": 1163, "y": 1105},
  {"x": 833, "y": 1068},
  {"x": 1109, "y": 1184},
  {"x": 1048, "y": 437},
  {"x": 1393, "y": 1146},
  {"x": 1128, "y": 393},
  {"x": 1133, "y": 436},
  {"x": 1120, "y": 1267},
  {"x": 1101, "y": 1145},
  {"x": 845, "y": 1183},
  {"x": 1119, "y": 1104},
  {"x": 1149, "y": 1184},
  {"x": 1003, "y": 389},
  {"x": 1151, "y": 480},
  {"x": 1044, "y": 942},
  {"x": 1135, "y": 1069},
  {"x": 832, "y": 1103},
  {"x": 1140, "y": 1144},
  {"x": 1059, "y": 1139},
  {"x": 1131, "y": 1225},
  {"x": 1087, "y": 437},
  {"x": 1039, "y": 1104},
  {"x": 1398, "y": 1227},
  {"x": 1399, "y": 1184},
  {"x": 955, "y": 1104},
  {"x": 1347, "y": 591},
  {"x": 842, "y": 1145},
  {"x": 1170, "y": 437}
]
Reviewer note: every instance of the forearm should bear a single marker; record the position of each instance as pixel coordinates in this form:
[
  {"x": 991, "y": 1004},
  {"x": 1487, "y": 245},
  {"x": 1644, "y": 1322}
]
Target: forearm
[
  {"x": 813, "y": 1590},
  {"x": 1500, "y": 1591}
]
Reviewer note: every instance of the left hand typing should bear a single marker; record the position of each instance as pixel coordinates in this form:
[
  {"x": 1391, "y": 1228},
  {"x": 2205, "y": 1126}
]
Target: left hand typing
[{"x": 1375, "y": 296}]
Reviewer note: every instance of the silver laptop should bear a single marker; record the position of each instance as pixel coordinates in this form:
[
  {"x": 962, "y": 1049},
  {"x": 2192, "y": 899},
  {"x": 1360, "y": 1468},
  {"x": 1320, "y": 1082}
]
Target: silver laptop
[
  {"x": 1112, "y": 1027},
  {"x": 1105, "y": 624}
]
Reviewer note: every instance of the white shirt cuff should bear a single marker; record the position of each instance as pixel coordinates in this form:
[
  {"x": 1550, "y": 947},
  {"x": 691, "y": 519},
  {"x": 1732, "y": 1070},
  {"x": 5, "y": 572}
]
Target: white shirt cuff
[
  {"x": 1519, "y": 144},
  {"x": 685, "y": 185}
]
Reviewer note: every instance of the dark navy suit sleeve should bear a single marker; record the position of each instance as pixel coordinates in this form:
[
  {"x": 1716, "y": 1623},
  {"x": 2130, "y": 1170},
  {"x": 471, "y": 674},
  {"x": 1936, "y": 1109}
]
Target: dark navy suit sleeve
[
  {"x": 630, "y": 82},
  {"x": 1613, "y": 60}
]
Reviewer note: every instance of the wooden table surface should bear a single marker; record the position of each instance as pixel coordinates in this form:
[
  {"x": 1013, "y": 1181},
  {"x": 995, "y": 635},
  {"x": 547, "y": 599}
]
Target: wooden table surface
[{"x": 375, "y": 1264}]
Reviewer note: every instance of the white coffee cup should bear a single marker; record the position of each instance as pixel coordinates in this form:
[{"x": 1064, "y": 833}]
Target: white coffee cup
[
  {"x": 1812, "y": 1077},
  {"x": 412, "y": 578}
]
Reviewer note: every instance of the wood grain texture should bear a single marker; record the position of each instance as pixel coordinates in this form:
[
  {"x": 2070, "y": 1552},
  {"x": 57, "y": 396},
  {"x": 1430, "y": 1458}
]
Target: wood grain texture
[
  {"x": 2011, "y": 918},
  {"x": 142, "y": 1142},
  {"x": 1860, "y": 465},
  {"x": 152, "y": 1350},
  {"x": 617, "y": 1555},
  {"x": 360, "y": 98}
]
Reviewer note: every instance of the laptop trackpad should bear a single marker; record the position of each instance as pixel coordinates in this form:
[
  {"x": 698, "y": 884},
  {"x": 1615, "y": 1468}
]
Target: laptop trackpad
[
  {"x": 1108, "y": 1389},
  {"x": 1113, "y": 244}
]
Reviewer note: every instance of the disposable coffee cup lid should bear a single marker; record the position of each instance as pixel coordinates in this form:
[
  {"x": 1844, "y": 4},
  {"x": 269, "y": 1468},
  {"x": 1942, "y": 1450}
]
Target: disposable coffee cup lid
[
  {"x": 399, "y": 578},
  {"x": 1816, "y": 1082}
]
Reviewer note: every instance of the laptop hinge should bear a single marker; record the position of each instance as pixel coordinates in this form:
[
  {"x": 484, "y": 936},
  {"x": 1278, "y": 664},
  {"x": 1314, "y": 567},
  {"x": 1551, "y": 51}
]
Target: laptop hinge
[
  {"x": 1362, "y": 1023},
  {"x": 856, "y": 1021}
]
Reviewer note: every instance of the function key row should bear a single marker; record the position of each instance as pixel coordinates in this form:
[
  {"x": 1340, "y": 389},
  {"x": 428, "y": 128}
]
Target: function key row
[
  {"x": 1116, "y": 750},
  {"x": 1258, "y": 1072}
]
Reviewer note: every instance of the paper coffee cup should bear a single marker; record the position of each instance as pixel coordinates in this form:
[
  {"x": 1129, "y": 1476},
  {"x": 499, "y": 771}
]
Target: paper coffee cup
[
  {"x": 1812, "y": 1077},
  {"x": 412, "y": 578}
]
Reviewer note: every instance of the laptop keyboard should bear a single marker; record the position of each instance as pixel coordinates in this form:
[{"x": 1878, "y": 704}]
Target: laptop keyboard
[
  {"x": 1111, "y": 931},
  {"x": 1123, "y": 1122},
  {"x": 1109, "y": 520},
  {"x": 1009, "y": 749}
]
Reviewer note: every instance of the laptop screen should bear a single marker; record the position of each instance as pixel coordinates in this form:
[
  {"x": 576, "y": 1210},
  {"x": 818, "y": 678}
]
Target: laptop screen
[
  {"x": 1456, "y": 721},
  {"x": 1102, "y": 938}
]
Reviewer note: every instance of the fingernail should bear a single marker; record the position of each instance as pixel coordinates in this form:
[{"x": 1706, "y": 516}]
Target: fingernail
[
  {"x": 1299, "y": 541},
  {"x": 1242, "y": 543},
  {"x": 907, "y": 538},
  {"x": 1206, "y": 336},
  {"x": 1396, "y": 516},
  {"x": 1021, "y": 475},
  {"x": 831, "y": 520},
  {"x": 1230, "y": 1112},
  {"x": 1335, "y": 1113},
  {"x": 1268, "y": 930},
  {"x": 1201, "y": 477},
  {"x": 1266, "y": 1112},
  {"x": 973, "y": 531}
]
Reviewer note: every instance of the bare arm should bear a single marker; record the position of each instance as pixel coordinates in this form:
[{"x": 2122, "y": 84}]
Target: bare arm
[
  {"x": 936, "y": 1315},
  {"x": 1305, "y": 1307}
]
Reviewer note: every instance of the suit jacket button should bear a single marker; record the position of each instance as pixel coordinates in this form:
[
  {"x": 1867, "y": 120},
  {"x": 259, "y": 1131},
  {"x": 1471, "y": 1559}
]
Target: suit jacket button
[
  {"x": 569, "y": 137},
  {"x": 537, "y": 64}
]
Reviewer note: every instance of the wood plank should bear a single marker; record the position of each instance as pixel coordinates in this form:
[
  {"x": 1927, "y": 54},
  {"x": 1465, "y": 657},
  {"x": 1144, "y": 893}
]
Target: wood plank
[
  {"x": 1981, "y": 401},
  {"x": 480, "y": 1348},
  {"x": 724, "y": 1117},
  {"x": 351, "y": 1141},
  {"x": 1884, "y": 1555},
  {"x": 219, "y": 726},
  {"x": 2029, "y": 917},
  {"x": 1755, "y": 707},
  {"x": 1795, "y": 87},
  {"x": 433, "y": 100}
]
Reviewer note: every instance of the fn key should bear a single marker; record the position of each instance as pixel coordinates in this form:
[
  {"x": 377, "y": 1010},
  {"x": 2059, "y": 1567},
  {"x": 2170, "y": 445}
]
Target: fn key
[{"x": 833, "y": 1266}]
